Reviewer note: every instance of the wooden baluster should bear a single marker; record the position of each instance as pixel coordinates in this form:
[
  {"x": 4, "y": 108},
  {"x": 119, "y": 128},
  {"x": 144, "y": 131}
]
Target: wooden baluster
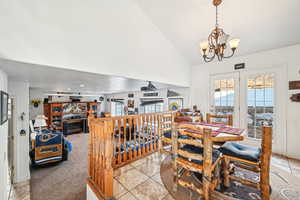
[
  {"x": 90, "y": 152},
  {"x": 148, "y": 134},
  {"x": 98, "y": 154},
  {"x": 140, "y": 132},
  {"x": 108, "y": 173},
  {"x": 143, "y": 133},
  {"x": 135, "y": 130},
  {"x": 119, "y": 142},
  {"x": 159, "y": 117},
  {"x": 151, "y": 132},
  {"x": 130, "y": 138},
  {"x": 100, "y": 143},
  {"x": 114, "y": 142},
  {"x": 94, "y": 152},
  {"x": 155, "y": 131},
  {"x": 125, "y": 139}
]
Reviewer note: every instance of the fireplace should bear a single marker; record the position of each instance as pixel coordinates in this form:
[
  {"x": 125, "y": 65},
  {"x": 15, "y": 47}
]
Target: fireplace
[{"x": 74, "y": 126}]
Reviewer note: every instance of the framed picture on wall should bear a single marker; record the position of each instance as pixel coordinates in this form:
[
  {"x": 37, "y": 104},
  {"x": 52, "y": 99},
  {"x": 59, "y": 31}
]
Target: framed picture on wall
[
  {"x": 130, "y": 103},
  {"x": 175, "y": 104},
  {"x": 4, "y": 107}
]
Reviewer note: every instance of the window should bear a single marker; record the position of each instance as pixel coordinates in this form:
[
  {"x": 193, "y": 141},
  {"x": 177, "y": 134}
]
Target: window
[
  {"x": 224, "y": 96},
  {"x": 152, "y": 108},
  {"x": 260, "y": 104},
  {"x": 117, "y": 108}
]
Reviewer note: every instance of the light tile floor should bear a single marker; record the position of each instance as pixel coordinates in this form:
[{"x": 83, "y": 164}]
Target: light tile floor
[
  {"x": 20, "y": 191},
  {"x": 141, "y": 180}
]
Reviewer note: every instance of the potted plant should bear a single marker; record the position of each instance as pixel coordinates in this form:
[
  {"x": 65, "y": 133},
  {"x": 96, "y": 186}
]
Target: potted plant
[{"x": 36, "y": 102}]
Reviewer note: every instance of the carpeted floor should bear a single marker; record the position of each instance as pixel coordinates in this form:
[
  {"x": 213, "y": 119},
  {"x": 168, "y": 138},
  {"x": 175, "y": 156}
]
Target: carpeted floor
[{"x": 66, "y": 180}]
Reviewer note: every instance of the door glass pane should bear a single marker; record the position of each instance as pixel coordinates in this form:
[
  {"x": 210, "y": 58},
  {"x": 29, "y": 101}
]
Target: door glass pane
[
  {"x": 260, "y": 102},
  {"x": 217, "y": 93},
  {"x": 224, "y": 97}
]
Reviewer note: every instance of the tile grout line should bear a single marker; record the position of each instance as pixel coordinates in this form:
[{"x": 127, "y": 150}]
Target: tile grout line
[{"x": 148, "y": 177}]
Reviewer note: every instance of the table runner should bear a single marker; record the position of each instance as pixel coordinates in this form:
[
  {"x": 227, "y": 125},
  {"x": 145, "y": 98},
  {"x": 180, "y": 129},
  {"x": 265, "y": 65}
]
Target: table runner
[{"x": 222, "y": 128}]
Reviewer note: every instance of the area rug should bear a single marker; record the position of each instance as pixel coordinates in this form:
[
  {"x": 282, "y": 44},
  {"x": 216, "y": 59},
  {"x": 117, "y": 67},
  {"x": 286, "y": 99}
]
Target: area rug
[{"x": 284, "y": 186}]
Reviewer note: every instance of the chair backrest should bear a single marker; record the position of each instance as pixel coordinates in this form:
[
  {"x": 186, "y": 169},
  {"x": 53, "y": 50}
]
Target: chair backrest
[
  {"x": 196, "y": 137},
  {"x": 48, "y": 148},
  {"x": 212, "y": 118},
  {"x": 166, "y": 121}
]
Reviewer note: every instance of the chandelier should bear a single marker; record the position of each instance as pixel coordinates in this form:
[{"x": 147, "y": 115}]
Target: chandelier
[{"x": 217, "y": 41}]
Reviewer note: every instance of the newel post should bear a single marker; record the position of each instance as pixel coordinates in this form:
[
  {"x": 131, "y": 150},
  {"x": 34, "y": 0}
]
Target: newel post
[{"x": 108, "y": 158}]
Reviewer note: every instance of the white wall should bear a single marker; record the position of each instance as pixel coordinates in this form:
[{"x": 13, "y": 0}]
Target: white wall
[
  {"x": 3, "y": 146},
  {"x": 20, "y": 92},
  {"x": 285, "y": 58},
  {"x": 98, "y": 36},
  {"x": 184, "y": 92}
]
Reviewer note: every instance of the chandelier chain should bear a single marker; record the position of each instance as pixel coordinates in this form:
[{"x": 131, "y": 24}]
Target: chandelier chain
[{"x": 217, "y": 23}]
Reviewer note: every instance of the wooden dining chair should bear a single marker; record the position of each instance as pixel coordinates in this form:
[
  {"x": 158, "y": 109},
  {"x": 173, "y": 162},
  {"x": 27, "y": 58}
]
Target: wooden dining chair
[
  {"x": 194, "y": 154},
  {"x": 250, "y": 158},
  {"x": 166, "y": 132},
  {"x": 212, "y": 118}
]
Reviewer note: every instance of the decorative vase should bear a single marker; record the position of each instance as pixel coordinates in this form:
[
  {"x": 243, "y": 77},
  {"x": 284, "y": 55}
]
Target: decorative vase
[{"x": 35, "y": 105}]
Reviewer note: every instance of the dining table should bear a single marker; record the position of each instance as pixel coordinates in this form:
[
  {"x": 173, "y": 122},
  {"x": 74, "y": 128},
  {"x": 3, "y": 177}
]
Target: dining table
[{"x": 222, "y": 133}]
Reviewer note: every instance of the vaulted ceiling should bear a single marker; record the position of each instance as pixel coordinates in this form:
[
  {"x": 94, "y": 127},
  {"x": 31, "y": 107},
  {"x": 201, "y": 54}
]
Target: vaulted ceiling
[
  {"x": 260, "y": 24},
  {"x": 122, "y": 36}
]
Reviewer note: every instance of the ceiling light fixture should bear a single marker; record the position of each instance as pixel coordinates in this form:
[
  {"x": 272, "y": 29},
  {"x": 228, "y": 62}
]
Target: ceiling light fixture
[{"x": 217, "y": 41}]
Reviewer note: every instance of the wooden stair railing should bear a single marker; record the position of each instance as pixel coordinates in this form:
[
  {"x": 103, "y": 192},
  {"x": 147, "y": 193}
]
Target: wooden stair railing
[
  {"x": 100, "y": 158},
  {"x": 118, "y": 141}
]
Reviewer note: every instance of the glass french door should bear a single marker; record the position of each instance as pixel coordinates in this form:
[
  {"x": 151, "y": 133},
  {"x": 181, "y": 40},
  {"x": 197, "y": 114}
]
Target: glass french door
[
  {"x": 225, "y": 95},
  {"x": 255, "y": 97},
  {"x": 260, "y": 103}
]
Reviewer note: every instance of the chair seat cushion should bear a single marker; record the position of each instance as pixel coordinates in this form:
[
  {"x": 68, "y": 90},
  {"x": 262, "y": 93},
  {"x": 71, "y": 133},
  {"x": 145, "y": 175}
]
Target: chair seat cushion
[
  {"x": 241, "y": 151},
  {"x": 199, "y": 150},
  {"x": 168, "y": 134}
]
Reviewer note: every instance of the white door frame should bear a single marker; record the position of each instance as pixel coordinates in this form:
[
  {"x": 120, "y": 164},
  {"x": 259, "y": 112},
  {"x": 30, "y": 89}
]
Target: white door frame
[
  {"x": 280, "y": 101},
  {"x": 280, "y": 94}
]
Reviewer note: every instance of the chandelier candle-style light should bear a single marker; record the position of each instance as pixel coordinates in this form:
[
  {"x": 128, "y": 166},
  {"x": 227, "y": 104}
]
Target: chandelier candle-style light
[{"x": 217, "y": 41}]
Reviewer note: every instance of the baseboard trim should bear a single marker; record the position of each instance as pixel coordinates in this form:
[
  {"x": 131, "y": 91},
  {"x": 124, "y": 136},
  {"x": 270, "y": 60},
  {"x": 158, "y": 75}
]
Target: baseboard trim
[{"x": 286, "y": 157}]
